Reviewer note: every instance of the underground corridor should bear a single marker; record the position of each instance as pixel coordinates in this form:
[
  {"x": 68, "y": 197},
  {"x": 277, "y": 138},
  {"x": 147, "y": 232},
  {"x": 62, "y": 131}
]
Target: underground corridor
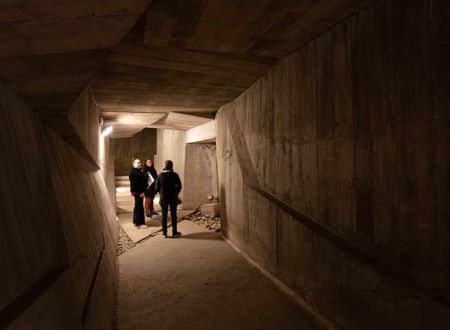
[{"x": 311, "y": 139}]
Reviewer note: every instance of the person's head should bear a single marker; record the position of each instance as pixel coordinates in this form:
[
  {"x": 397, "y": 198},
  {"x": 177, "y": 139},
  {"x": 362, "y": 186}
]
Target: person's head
[
  {"x": 137, "y": 163},
  {"x": 168, "y": 165},
  {"x": 149, "y": 162}
]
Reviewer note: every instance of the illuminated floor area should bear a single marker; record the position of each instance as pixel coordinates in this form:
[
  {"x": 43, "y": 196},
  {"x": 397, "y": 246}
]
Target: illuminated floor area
[
  {"x": 198, "y": 282},
  {"x": 154, "y": 225},
  {"x": 125, "y": 204}
]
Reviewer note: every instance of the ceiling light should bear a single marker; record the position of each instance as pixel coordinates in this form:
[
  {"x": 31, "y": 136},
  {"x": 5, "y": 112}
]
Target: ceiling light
[{"x": 106, "y": 130}]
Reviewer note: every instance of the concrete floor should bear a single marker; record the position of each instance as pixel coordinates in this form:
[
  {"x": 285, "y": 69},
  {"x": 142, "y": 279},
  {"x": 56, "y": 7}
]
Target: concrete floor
[
  {"x": 154, "y": 224},
  {"x": 198, "y": 282}
]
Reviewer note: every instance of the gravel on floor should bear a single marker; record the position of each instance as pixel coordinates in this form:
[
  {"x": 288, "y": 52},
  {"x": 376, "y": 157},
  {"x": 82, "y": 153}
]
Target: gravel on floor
[
  {"x": 125, "y": 243},
  {"x": 211, "y": 223}
]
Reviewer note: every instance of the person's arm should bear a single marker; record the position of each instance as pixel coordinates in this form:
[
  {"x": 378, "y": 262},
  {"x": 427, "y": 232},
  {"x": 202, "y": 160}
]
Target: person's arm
[
  {"x": 178, "y": 181},
  {"x": 158, "y": 184},
  {"x": 143, "y": 183},
  {"x": 132, "y": 185}
]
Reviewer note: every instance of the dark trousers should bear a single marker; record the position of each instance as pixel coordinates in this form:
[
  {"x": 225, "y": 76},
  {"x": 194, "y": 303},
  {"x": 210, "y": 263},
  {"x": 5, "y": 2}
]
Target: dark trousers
[
  {"x": 173, "y": 214},
  {"x": 138, "y": 212}
]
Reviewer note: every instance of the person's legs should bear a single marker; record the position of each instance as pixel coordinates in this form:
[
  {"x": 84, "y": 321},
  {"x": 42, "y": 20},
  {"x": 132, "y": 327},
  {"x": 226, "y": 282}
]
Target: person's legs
[
  {"x": 164, "y": 210},
  {"x": 135, "y": 211},
  {"x": 173, "y": 215},
  {"x": 148, "y": 203},
  {"x": 138, "y": 212},
  {"x": 151, "y": 208}
]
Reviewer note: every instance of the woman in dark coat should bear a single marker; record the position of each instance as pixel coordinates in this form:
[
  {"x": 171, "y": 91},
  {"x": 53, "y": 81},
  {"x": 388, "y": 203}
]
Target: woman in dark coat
[{"x": 151, "y": 175}]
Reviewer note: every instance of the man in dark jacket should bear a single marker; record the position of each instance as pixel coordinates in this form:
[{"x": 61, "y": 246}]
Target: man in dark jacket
[
  {"x": 138, "y": 184},
  {"x": 168, "y": 185}
]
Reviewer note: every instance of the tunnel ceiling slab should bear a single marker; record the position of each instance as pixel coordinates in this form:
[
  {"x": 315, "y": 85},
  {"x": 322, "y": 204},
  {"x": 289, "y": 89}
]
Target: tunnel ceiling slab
[
  {"x": 180, "y": 121},
  {"x": 127, "y": 124},
  {"x": 152, "y": 56},
  {"x": 51, "y": 48},
  {"x": 196, "y": 56}
]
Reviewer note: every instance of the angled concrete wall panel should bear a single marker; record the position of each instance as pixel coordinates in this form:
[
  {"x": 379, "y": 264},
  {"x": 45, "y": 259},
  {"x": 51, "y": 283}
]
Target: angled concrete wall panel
[
  {"x": 347, "y": 140},
  {"x": 60, "y": 229}
]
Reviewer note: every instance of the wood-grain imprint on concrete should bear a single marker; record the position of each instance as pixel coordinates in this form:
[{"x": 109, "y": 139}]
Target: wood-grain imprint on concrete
[
  {"x": 344, "y": 131},
  {"x": 52, "y": 48},
  {"x": 185, "y": 56},
  {"x": 71, "y": 240}
]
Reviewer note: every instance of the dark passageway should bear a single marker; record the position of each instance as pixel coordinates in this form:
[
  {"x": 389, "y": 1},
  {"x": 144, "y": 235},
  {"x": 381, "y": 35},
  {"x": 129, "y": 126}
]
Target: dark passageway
[{"x": 311, "y": 139}]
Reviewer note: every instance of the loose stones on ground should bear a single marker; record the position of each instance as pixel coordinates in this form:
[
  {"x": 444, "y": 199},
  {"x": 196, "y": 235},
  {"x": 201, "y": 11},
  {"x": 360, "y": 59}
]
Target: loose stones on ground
[
  {"x": 211, "y": 223},
  {"x": 125, "y": 243}
]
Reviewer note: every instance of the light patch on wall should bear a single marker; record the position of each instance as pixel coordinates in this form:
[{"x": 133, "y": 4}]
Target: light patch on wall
[
  {"x": 107, "y": 130},
  {"x": 101, "y": 150}
]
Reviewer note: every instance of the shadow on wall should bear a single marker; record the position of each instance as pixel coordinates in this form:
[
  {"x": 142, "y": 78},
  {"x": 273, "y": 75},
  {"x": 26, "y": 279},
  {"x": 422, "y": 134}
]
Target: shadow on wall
[{"x": 141, "y": 145}]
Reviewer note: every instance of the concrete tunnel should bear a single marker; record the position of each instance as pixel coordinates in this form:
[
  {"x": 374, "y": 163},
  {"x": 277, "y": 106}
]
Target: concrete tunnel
[{"x": 319, "y": 132}]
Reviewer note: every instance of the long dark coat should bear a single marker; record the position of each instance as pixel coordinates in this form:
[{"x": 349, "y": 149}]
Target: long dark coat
[{"x": 138, "y": 181}]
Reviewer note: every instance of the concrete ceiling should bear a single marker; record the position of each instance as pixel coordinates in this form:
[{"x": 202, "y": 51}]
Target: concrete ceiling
[
  {"x": 190, "y": 56},
  {"x": 126, "y": 124},
  {"x": 174, "y": 120},
  {"x": 51, "y": 48}
]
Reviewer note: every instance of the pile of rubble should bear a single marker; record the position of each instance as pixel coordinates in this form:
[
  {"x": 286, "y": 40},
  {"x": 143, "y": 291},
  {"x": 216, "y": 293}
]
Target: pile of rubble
[{"x": 211, "y": 223}]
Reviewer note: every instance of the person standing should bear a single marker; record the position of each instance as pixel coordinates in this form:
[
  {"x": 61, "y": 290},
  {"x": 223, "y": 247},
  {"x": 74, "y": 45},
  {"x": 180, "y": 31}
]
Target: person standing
[
  {"x": 149, "y": 193},
  {"x": 168, "y": 185},
  {"x": 138, "y": 184}
]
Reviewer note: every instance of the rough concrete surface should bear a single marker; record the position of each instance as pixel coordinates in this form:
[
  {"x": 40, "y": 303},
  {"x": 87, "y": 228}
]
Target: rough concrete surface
[
  {"x": 198, "y": 282},
  {"x": 344, "y": 132},
  {"x": 61, "y": 232},
  {"x": 141, "y": 145},
  {"x": 200, "y": 177}
]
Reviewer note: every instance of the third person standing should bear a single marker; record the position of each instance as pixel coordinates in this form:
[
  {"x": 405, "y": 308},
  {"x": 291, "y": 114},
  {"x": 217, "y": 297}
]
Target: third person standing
[{"x": 168, "y": 185}]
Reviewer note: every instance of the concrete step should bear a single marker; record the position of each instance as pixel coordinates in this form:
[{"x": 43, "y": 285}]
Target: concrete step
[
  {"x": 211, "y": 209},
  {"x": 122, "y": 181}
]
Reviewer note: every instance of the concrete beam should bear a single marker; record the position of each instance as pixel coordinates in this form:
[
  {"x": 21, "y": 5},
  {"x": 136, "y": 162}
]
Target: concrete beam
[{"x": 202, "y": 133}]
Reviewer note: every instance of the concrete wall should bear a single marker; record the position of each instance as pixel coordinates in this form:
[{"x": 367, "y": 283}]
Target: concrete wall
[
  {"x": 200, "y": 176},
  {"x": 333, "y": 169},
  {"x": 142, "y": 145},
  {"x": 203, "y": 133},
  {"x": 106, "y": 163},
  {"x": 84, "y": 116},
  {"x": 58, "y": 231},
  {"x": 196, "y": 164}
]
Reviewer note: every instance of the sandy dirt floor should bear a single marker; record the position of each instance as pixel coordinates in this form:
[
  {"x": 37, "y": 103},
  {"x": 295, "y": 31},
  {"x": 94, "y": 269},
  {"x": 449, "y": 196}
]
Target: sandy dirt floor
[{"x": 198, "y": 282}]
